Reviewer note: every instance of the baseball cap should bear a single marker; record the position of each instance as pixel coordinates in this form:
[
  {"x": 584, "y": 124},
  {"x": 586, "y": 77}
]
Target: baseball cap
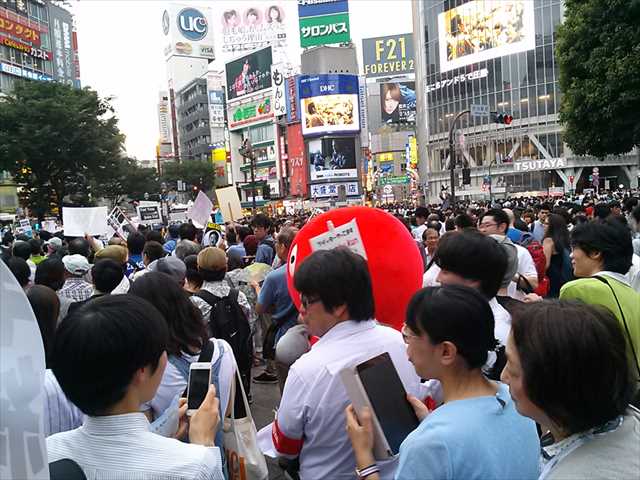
[
  {"x": 171, "y": 266},
  {"x": 76, "y": 264},
  {"x": 55, "y": 242},
  {"x": 113, "y": 252},
  {"x": 212, "y": 258}
]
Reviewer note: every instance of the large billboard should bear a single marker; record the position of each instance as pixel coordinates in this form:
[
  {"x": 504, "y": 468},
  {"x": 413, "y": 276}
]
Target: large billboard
[
  {"x": 398, "y": 102},
  {"x": 388, "y": 56},
  {"x": 188, "y": 32},
  {"x": 297, "y": 161},
  {"x": 323, "y": 22},
  {"x": 20, "y": 27},
  {"x": 332, "y": 158},
  {"x": 61, "y": 24},
  {"x": 484, "y": 29},
  {"x": 249, "y": 74},
  {"x": 250, "y": 25},
  {"x": 329, "y": 103}
]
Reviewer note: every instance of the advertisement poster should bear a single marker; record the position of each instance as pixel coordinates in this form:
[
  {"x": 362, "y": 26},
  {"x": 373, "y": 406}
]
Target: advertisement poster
[
  {"x": 388, "y": 56},
  {"x": 249, "y": 74},
  {"x": 329, "y": 103},
  {"x": 484, "y": 29},
  {"x": 216, "y": 108},
  {"x": 248, "y": 26},
  {"x": 279, "y": 94},
  {"x": 20, "y": 27},
  {"x": 323, "y": 22},
  {"x": 332, "y": 158},
  {"x": 398, "y": 102},
  {"x": 293, "y": 100},
  {"x": 188, "y": 32},
  {"x": 298, "y": 178}
]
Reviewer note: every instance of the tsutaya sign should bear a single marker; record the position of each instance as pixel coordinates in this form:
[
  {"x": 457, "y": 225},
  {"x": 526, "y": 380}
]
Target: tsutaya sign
[{"x": 537, "y": 165}]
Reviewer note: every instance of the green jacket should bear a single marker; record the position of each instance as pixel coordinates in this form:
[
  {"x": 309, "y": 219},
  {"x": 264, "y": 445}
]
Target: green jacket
[{"x": 596, "y": 292}]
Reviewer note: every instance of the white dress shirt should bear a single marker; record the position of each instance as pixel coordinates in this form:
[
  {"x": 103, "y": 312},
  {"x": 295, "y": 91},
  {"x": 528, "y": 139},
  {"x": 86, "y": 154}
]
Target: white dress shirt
[
  {"x": 526, "y": 268},
  {"x": 60, "y": 415},
  {"x": 122, "y": 447},
  {"x": 311, "y": 421}
]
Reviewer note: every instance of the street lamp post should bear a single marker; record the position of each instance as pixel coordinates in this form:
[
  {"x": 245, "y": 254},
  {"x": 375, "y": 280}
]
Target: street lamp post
[
  {"x": 246, "y": 150},
  {"x": 452, "y": 155}
]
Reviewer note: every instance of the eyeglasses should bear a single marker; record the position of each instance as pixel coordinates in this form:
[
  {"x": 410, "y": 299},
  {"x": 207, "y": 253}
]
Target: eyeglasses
[
  {"x": 487, "y": 225},
  {"x": 306, "y": 301},
  {"x": 406, "y": 334}
]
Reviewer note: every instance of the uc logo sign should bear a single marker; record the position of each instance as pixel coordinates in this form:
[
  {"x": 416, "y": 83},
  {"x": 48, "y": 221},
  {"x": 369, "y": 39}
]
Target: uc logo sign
[{"x": 192, "y": 24}]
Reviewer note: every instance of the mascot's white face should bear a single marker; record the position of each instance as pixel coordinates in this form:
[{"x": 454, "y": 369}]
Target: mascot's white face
[{"x": 21, "y": 380}]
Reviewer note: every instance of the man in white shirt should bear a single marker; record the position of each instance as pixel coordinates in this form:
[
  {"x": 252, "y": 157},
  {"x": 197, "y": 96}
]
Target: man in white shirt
[
  {"x": 337, "y": 305},
  {"x": 422, "y": 213},
  {"x": 496, "y": 222},
  {"x": 109, "y": 361}
]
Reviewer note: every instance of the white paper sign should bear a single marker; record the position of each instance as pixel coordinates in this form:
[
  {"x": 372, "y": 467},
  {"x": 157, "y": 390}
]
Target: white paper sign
[
  {"x": 200, "y": 211},
  {"x": 49, "y": 226},
  {"x": 78, "y": 221},
  {"x": 277, "y": 77},
  {"x": 346, "y": 235},
  {"x": 229, "y": 203}
]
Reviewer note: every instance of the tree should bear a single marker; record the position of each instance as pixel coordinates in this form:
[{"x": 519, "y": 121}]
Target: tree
[
  {"x": 125, "y": 179},
  {"x": 54, "y": 140},
  {"x": 598, "y": 53},
  {"x": 199, "y": 173}
]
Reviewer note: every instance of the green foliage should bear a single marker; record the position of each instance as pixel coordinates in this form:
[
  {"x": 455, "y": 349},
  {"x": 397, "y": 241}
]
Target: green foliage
[
  {"x": 194, "y": 172},
  {"x": 598, "y": 53},
  {"x": 55, "y": 140},
  {"x": 125, "y": 179}
]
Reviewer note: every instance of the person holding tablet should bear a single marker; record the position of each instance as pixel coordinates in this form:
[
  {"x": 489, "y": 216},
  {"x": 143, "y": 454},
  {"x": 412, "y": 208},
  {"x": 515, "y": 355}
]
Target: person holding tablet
[{"x": 477, "y": 432}]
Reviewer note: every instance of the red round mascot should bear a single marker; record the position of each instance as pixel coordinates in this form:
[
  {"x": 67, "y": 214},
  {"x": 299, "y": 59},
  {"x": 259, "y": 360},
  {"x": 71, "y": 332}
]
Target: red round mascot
[{"x": 392, "y": 255}]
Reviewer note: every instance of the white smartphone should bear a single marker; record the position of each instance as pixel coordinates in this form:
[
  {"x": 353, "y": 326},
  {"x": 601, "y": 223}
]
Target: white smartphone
[{"x": 199, "y": 380}]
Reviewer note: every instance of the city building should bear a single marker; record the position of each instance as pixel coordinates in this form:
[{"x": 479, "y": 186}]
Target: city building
[
  {"x": 164, "y": 148},
  {"x": 510, "y": 69},
  {"x": 194, "y": 132}
]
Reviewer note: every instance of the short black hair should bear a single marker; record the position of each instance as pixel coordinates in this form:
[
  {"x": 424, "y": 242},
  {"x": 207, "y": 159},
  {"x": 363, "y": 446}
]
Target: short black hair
[
  {"x": 338, "y": 277},
  {"x": 261, "y": 220},
  {"x": 609, "y": 237},
  {"x": 422, "y": 212},
  {"x": 473, "y": 256},
  {"x": 174, "y": 230},
  {"x": 135, "y": 243},
  {"x": 574, "y": 361},
  {"x": 499, "y": 215},
  {"x": 124, "y": 329},
  {"x": 243, "y": 232},
  {"x": 431, "y": 226},
  {"x": 50, "y": 272},
  {"x": 212, "y": 275},
  {"x": 22, "y": 250},
  {"x": 153, "y": 250},
  {"x": 46, "y": 308},
  {"x": 20, "y": 269},
  {"x": 107, "y": 275},
  {"x": 458, "y": 314},
  {"x": 463, "y": 221},
  {"x": 545, "y": 206},
  {"x": 193, "y": 275},
  {"x": 79, "y": 246},
  {"x": 187, "y": 232},
  {"x": 36, "y": 246},
  {"x": 601, "y": 211},
  {"x": 183, "y": 317},
  {"x": 154, "y": 236}
]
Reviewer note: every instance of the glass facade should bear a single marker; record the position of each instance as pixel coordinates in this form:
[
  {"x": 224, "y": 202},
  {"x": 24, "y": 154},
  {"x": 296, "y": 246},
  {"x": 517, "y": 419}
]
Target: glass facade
[{"x": 523, "y": 84}]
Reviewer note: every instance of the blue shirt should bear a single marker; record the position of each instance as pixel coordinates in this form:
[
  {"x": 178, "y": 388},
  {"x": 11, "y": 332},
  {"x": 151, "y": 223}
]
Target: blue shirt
[
  {"x": 475, "y": 438},
  {"x": 275, "y": 293},
  {"x": 514, "y": 234},
  {"x": 265, "y": 253}
]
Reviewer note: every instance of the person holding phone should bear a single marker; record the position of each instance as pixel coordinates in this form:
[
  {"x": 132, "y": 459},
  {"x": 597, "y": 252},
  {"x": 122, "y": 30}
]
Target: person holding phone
[
  {"x": 477, "y": 432},
  {"x": 109, "y": 359}
]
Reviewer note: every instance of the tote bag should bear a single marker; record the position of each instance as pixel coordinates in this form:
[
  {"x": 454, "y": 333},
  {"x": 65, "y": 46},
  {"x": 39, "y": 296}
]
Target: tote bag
[{"x": 245, "y": 461}]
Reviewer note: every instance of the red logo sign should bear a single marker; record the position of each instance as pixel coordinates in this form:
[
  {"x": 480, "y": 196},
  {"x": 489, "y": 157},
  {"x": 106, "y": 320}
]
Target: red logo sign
[
  {"x": 297, "y": 164},
  {"x": 20, "y": 29},
  {"x": 23, "y": 47}
]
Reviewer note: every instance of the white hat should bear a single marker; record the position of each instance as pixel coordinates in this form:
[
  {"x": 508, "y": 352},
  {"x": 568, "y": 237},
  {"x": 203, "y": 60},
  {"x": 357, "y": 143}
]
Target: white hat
[
  {"x": 76, "y": 264},
  {"x": 55, "y": 243}
]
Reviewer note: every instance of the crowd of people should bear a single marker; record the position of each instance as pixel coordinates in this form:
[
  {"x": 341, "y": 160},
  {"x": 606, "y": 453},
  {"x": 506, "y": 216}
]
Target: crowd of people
[{"x": 520, "y": 355}]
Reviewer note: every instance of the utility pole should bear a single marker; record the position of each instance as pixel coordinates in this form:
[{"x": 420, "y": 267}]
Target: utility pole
[
  {"x": 246, "y": 150},
  {"x": 452, "y": 156}
]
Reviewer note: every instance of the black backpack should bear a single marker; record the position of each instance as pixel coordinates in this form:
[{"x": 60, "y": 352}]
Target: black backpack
[{"x": 228, "y": 322}]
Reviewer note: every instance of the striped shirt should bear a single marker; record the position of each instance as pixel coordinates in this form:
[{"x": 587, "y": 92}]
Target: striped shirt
[
  {"x": 121, "y": 447},
  {"x": 60, "y": 415},
  {"x": 77, "y": 289}
]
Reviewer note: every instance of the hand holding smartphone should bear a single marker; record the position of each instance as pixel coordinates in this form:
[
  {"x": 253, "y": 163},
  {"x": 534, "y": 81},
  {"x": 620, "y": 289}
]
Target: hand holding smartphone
[{"x": 199, "y": 381}]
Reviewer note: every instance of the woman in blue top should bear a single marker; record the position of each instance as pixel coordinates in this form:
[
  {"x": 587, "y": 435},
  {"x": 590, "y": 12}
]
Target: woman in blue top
[{"x": 477, "y": 432}]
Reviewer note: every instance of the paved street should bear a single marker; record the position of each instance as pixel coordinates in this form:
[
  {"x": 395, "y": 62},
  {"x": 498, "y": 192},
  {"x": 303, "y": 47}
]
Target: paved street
[{"x": 265, "y": 399}]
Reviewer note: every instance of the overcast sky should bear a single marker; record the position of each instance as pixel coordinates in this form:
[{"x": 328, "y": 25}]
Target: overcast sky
[{"x": 121, "y": 54}]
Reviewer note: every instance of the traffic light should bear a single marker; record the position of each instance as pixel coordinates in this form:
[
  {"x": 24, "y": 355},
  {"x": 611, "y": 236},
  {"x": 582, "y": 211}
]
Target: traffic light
[
  {"x": 466, "y": 176},
  {"x": 504, "y": 118}
]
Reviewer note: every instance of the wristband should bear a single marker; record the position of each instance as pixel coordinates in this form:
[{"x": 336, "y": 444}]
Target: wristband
[{"x": 365, "y": 472}]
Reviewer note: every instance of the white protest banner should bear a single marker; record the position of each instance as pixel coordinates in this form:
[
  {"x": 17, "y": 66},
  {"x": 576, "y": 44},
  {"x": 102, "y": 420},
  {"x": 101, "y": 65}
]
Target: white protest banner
[
  {"x": 149, "y": 214},
  {"x": 49, "y": 226},
  {"x": 80, "y": 220},
  {"x": 347, "y": 235},
  {"x": 200, "y": 211},
  {"x": 116, "y": 222},
  {"x": 229, "y": 203}
]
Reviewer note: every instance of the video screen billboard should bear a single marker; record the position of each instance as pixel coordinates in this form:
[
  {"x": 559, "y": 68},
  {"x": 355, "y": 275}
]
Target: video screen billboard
[
  {"x": 249, "y": 74},
  {"x": 332, "y": 158},
  {"x": 484, "y": 29},
  {"x": 329, "y": 104},
  {"x": 398, "y": 102}
]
